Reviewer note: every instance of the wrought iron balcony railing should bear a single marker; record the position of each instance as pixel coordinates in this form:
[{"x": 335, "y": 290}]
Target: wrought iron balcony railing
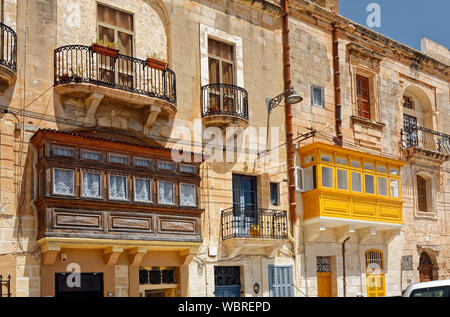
[
  {"x": 79, "y": 63},
  {"x": 8, "y": 47},
  {"x": 224, "y": 99},
  {"x": 242, "y": 222},
  {"x": 425, "y": 139}
]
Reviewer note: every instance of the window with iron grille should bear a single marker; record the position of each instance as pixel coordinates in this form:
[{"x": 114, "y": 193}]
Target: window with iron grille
[
  {"x": 407, "y": 102},
  {"x": 374, "y": 260},
  {"x": 227, "y": 275},
  {"x": 157, "y": 275},
  {"x": 323, "y": 264}
]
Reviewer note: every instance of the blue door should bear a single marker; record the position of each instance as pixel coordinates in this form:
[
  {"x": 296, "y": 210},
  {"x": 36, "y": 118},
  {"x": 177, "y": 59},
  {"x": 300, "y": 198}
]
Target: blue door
[
  {"x": 280, "y": 281},
  {"x": 244, "y": 204},
  {"x": 227, "y": 280}
]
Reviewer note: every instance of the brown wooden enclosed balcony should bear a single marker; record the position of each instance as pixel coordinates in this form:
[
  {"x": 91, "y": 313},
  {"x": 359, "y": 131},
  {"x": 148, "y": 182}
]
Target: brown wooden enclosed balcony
[
  {"x": 8, "y": 57},
  {"x": 224, "y": 105},
  {"x": 253, "y": 229},
  {"x": 125, "y": 81},
  {"x": 420, "y": 142}
]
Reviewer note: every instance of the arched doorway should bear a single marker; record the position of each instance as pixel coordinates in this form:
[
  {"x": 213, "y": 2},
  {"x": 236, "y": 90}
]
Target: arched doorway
[{"x": 425, "y": 267}]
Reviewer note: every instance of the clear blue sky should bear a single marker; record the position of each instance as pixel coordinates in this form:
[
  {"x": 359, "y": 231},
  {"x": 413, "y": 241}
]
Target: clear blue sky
[{"x": 406, "y": 21}]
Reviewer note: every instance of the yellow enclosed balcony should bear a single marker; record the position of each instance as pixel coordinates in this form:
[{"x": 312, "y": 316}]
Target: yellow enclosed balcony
[{"x": 342, "y": 187}]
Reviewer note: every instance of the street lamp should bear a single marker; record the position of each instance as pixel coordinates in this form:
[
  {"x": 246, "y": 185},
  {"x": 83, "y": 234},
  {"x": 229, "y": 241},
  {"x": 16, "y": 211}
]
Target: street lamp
[{"x": 290, "y": 96}]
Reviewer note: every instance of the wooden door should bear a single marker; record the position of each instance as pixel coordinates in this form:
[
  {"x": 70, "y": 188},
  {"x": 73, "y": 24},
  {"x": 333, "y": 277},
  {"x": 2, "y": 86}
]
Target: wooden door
[
  {"x": 422, "y": 193},
  {"x": 375, "y": 285},
  {"x": 324, "y": 284},
  {"x": 425, "y": 268},
  {"x": 362, "y": 94}
]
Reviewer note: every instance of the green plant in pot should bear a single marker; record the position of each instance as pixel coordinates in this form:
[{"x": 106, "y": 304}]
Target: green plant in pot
[
  {"x": 105, "y": 48},
  {"x": 155, "y": 61}
]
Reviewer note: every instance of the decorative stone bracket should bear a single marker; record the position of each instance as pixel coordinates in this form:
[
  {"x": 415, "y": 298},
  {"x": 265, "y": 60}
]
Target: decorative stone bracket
[
  {"x": 136, "y": 255},
  {"x": 91, "y": 103},
  {"x": 112, "y": 255},
  {"x": 49, "y": 253},
  {"x": 150, "y": 115}
]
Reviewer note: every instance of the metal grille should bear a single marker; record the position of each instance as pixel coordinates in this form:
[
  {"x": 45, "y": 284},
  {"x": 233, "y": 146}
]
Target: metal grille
[
  {"x": 79, "y": 63},
  {"x": 7, "y": 283},
  {"x": 224, "y": 99},
  {"x": 374, "y": 260},
  {"x": 246, "y": 222},
  {"x": 157, "y": 276},
  {"x": 8, "y": 47},
  {"x": 227, "y": 275},
  {"x": 425, "y": 139},
  {"x": 323, "y": 264}
]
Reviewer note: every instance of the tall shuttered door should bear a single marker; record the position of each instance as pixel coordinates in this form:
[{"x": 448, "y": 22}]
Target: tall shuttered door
[
  {"x": 375, "y": 285},
  {"x": 375, "y": 279},
  {"x": 280, "y": 281}
]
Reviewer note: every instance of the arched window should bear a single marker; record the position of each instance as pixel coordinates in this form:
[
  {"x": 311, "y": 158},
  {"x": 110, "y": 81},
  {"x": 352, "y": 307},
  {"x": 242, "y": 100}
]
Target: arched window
[
  {"x": 374, "y": 260},
  {"x": 425, "y": 259},
  {"x": 422, "y": 193}
]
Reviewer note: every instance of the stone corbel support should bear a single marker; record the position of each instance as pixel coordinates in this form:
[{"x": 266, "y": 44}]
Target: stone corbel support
[
  {"x": 389, "y": 235},
  {"x": 343, "y": 232},
  {"x": 366, "y": 234},
  {"x": 313, "y": 231},
  {"x": 150, "y": 115},
  {"x": 49, "y": 253},
  {"x": 136, "y": 255},
  {"x": 186, "y": 256},
  {"x": 91, "y": 103},
  {"x": 112, "y": 255}
]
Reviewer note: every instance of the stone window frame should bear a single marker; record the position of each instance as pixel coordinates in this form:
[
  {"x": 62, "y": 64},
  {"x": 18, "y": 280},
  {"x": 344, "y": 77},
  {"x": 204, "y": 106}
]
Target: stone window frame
[
  {"x": 219, "y": 35},
  {"x": 322, "y": 91},
  {"x": 430, "y": 192},
  {"x": 374, "y": 91}
]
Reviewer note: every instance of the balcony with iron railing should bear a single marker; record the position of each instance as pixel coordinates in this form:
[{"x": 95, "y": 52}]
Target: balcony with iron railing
[
  {"x": 252, "y": 229},
  {"x": 420, "y": 142},
  {"x": 8, "y": 57},
  {"x": 224, "y": 105},
  {"x": 82, "y": 72}
]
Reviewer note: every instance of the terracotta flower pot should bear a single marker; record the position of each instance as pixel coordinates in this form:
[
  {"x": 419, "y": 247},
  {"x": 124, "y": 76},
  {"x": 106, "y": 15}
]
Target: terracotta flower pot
[
  {"x": 104, "y": 50},
  {"x": 154, "y": 63}
]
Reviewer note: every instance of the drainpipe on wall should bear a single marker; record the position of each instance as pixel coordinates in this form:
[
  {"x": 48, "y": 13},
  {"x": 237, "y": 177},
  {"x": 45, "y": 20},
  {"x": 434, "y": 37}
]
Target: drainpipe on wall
[
  {"x": 343, "y": 266},
  {"x": 288, "y": 113},
  {"x": 337, "y": 87}
]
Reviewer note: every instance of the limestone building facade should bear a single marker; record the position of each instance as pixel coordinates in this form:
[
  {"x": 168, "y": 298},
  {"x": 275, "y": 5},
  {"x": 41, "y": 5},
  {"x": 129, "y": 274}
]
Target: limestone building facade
[{"x": 137, "y": 148}]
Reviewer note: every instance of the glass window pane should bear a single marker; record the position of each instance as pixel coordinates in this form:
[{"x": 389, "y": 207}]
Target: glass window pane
[
  {"x": 394, "y": 171},
  {"x": 165, "y": 193},
  {"x": 118, "y": 159},
  {"x": 187, "y": 169},
  {"x": 117, "y": 187},
  {"x": 165, "y": 166},
  {"x": 187, "y": 195},
  {"x": 63, "y": 151},
  {"x": 341, "y": 160},
  {"x": 91, "y": 185},
  {"x": 342, "y": 179},
  {"x": 125, "y": 42},
  {"x": 368, "y": 166},
  {"x": 369, "y": 184},
  {"x": 142, "y": 163},
  {"x": 382, "y": 186},
  {"x": 274, "y": 194},
  {"x": 142, "y": 190},
  {"x": 227, "y": 73},
  {"x": 326, "y": 158},
  {"x": 327, "y": 177},
  {"x": 394, "y": 188},
  {"x": 356, "y": 182},
  {"x": 317, "y": 96},
  {"x": 354, "y": 163},
  {"x": 381, "y": 169},
  {"x": 93, "y": 156},
  {"x": 106, "y": 34},
  {"x": 308, "y": 159},
  {"x": 299, "y": 178},
  {"x": 63, "y": 182}
]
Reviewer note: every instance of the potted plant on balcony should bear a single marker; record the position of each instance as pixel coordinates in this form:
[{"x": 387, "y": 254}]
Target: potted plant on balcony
[
  {"x": 77, "y": 75},
  {"x": 105, "y": 48},
  {"x": 255, "y": 230},
  {"x": 156, "y": 62}
]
